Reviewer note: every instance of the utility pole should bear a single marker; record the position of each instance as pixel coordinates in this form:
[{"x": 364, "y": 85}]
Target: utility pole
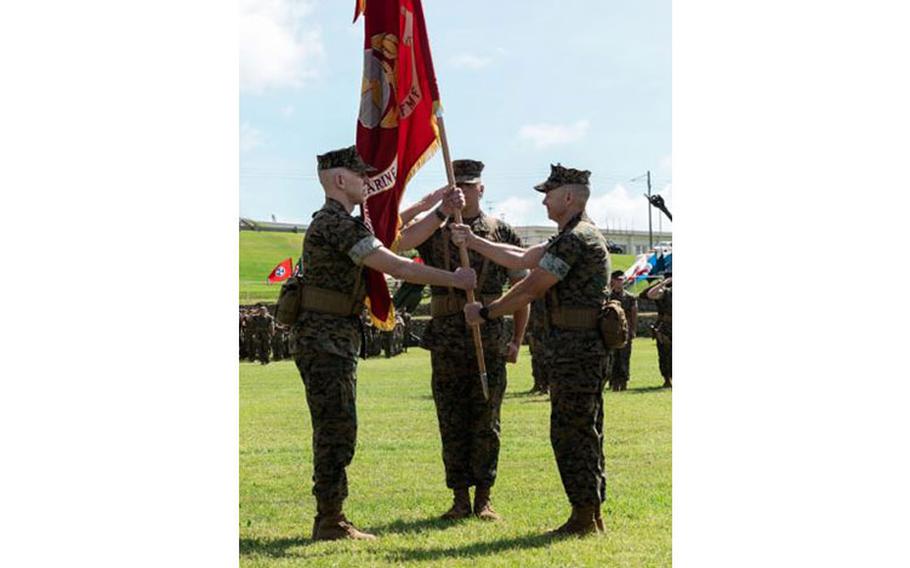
[{"x": 650, "y": 231}]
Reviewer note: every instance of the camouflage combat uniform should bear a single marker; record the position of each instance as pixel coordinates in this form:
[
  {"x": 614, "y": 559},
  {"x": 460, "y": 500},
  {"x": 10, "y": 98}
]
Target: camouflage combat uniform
[
  {"x": 577, "y": 359},
  {"x": 536, "y": 328},
  {"x": 326, "y": 345},
  {"x": 663, "y": 331},
  {"x": 243, "y": 324},
  {"x": 264, "y": 327},
  {"x": 469, "y": 425},
  {"x": 278, "y": 344},
  {"x": 393, "y": 341},
  {"x": 621, "y": 357},
  {"x": 249, "y": 338}
]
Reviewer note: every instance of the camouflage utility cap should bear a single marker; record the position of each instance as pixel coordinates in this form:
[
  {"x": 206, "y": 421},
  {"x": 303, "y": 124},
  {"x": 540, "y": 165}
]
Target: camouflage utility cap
[
  {"x": 560, "y": 176},
  {"x": 344, "y": 158},
  {"x": 467, "y": 171}
]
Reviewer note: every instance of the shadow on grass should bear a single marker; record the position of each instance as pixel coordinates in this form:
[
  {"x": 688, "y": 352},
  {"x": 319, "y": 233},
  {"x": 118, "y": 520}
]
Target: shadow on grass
[
  {"x": 274, "y": 548},
  {"x": 643, "y": 390},
  {"x": 279, "y": 547},
  {"x": 525, "y": 394},
  {"x": 477, "y": 549},
  {"x": 526, "y": 397},
  {"x": 415, "y": 526}
]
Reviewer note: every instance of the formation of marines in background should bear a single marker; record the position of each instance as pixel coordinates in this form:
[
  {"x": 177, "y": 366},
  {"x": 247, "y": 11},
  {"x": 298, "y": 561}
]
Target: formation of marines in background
[
  {"x": 263, "y": 339},
  {"x": 557, "y": 290}
]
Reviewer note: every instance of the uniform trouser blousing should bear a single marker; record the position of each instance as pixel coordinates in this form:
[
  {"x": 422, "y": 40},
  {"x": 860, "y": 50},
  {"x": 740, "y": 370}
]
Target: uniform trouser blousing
[
  {"x": 331, "y": 390},
  {"x": 468, "y": 424}
]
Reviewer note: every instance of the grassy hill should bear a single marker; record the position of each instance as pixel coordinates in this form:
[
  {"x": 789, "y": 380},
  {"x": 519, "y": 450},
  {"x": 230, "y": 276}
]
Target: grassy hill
[{"x": 261, "y": 252}]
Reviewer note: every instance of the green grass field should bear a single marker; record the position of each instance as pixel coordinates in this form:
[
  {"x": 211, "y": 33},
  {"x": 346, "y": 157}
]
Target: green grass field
[
  {"x": 261, "y": 252},
  {"x": 397, "y": 487}
]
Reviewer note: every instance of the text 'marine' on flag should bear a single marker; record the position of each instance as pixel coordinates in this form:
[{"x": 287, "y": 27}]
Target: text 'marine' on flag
[{"x": 396, "y": 129}]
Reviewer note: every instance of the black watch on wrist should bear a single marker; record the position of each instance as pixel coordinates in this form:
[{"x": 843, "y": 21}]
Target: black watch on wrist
[
  {"x": 442, "y": 216},
  {"x": 485, "y": 314}
]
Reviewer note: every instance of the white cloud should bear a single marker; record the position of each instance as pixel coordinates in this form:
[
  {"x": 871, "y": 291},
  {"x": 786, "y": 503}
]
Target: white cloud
[
  {"x": 276, "y": 48},
  {"x": 619, "y": 208},
  {"x": 519, "y": 211},
  {"x": 622, "y": 208},
  {"x": 287, "y": 111},
  {"x": 544, "y": 135},
  {"x": 250, "y": 137},
  {"x": 666, "y": 163},
  {"x": 469, "y": 61}
]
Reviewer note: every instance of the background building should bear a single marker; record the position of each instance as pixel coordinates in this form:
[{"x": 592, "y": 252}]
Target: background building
[{"x": 632, "y": 242}]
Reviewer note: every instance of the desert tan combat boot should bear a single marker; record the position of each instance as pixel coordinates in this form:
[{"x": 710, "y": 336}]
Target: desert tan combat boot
[
  {"x": 461, "y": 505},
  {"x": 598, "y": 520},
  {"x": 331, "y": 524},
  {"x": 336, "y": 527},
  {"x": 580, "y": 523},
  {"x": 483, "y": 508}
]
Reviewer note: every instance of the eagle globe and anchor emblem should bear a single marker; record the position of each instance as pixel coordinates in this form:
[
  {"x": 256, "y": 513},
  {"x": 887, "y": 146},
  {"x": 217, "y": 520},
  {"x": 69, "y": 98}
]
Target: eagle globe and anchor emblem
[
  {"x": 379, "y": 103},
  {"x": 378, "y": 87}
]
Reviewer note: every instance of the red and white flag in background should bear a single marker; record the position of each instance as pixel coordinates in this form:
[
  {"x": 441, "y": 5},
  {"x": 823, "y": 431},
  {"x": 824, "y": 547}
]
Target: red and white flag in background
[{"x": 281, "y": 272}]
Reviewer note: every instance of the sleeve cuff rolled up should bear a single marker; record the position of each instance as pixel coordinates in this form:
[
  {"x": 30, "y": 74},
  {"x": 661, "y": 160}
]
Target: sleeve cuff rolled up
[
  {"x": 554, "y": 265},
  {"x": 362, "y": 248}
]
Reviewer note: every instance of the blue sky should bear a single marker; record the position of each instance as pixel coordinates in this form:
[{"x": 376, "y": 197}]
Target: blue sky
[{"x": 524, "y": 84}]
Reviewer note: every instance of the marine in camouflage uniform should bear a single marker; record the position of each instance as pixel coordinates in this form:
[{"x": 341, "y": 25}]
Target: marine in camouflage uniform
[
  {"x": 619, "y": 376},
  {"x": 469, "y": 425},
  {"x": 278, "y": 342},
  {"x": 326, "y": 338},
  {"x": 249, "y": 337},
  {"x": 326, "y": 345},
  {"x": 286, "y": 342},
  {"x": 572, "y": 271},
  {"x": 264, "y": 328},
  {"x": 393, "y": 341},
  {"x": 662, "y": 294},
  {"x": 536, "y": 329},
  {"x": 243, "y": 322},
  {"x": 579, "y": 363}
]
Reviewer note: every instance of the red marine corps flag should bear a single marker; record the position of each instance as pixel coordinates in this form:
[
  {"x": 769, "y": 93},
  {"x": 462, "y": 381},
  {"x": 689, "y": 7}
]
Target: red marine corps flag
[{"x": 396, "y": 130}]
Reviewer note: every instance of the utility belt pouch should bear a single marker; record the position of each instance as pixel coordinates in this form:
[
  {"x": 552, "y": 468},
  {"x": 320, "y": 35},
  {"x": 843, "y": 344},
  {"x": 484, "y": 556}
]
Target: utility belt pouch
[
  {"x": 289, "y": 301},
  {"x": 614, "y": 328}
]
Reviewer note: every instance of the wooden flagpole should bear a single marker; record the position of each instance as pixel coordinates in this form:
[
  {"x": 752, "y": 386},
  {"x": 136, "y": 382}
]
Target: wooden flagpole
[{"x": 465, "y": 262}]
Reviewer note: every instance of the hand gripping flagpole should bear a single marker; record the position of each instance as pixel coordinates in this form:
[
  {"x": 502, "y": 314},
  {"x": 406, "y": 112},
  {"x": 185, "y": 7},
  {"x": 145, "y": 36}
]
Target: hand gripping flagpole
[{"x": 463, "y": 251}]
